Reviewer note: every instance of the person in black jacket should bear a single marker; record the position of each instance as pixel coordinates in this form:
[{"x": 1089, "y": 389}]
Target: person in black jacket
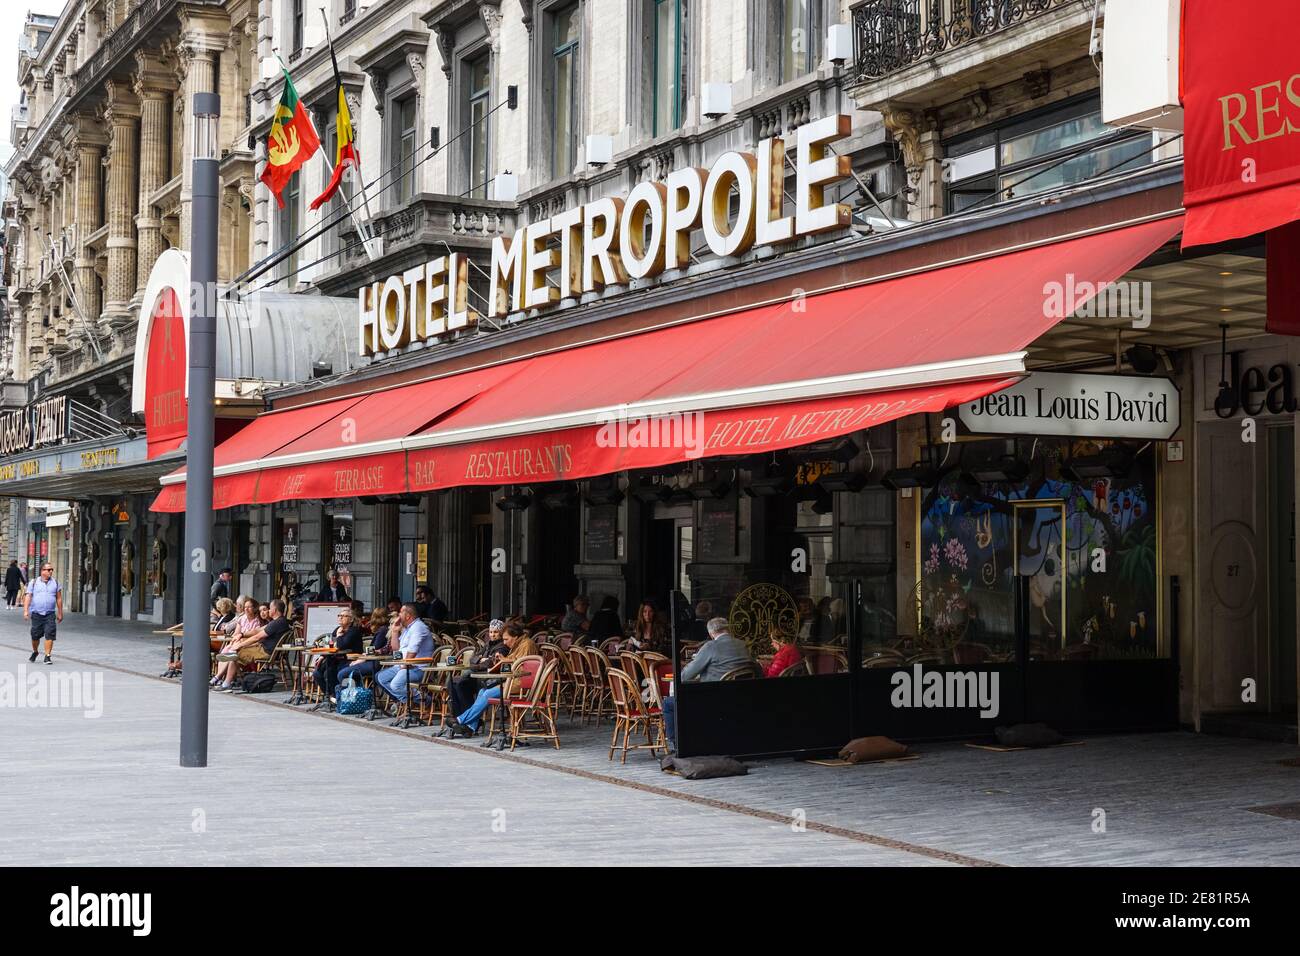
[
  {"x": 13, "y": 581},
  {"x": 430, "y": 605},
  {"x": 606, "y": 623},
  {"x": 347, "y": 639},
  {"x": 221, "y": 587},
  {"x": 465, "y": 688},
  {"x": 333, "y": 592}
]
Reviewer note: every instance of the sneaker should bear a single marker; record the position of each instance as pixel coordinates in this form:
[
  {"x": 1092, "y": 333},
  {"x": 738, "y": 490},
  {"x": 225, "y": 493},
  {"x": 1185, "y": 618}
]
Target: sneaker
[
  {"x": 227, "y": 688},
  {"x": 47, "y": 659},
  {"x": 32, "y": 659}
]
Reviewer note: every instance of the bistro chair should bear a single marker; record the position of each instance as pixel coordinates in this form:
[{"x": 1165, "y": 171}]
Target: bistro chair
[
  {"x": 432, "y": 695},
  {"x": 523, "y": 673},
  {"x": 564, "y": 639},
  {"x": 609, "y": 647},
  {"x": 743, "y": 672},
  {"x": 598, "y": 671},
  {"x": 825, "y": 660},
  {"x": 539, "y": 705},
  {"x": 632, "y": 665},
  {"x": 690, "y": 649},
  {"x": 632, "y": 715},
  {"x": 969, "y": 655},
  {"x": 580, "y": 674},
  {"x": 798, "y": 669}
]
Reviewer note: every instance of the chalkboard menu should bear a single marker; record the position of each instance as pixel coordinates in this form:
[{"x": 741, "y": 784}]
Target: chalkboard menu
[
  {"x": 717, "y": 530},
  {"x": 602, "y": 533}
]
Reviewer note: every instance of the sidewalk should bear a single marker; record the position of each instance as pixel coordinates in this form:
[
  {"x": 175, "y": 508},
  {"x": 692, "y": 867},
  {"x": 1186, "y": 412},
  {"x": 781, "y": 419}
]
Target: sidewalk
[{"x": 1173, "y": 798}]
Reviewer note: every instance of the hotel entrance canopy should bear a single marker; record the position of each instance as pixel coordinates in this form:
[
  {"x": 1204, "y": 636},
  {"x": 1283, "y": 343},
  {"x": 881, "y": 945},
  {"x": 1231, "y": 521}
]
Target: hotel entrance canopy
[{"x": 757, "y": 380}]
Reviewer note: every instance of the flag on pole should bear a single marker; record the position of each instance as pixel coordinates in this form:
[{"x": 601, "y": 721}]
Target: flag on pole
[
  {"x": 291, "y": 143},
  {"x": 346, "y": 155}
]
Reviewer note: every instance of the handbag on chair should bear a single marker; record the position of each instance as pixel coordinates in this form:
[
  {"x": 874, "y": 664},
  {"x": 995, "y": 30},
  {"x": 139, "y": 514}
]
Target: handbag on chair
[{"x": 354, "y": 699}]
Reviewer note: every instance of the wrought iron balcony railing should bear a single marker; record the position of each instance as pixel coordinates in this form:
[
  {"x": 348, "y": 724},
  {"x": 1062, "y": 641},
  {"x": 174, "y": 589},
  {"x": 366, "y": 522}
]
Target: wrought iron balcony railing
[{"x": 890, "y": 35}]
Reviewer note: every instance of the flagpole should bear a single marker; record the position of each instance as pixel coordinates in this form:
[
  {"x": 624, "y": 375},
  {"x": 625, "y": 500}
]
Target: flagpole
[{"x": 361, "y": 180}]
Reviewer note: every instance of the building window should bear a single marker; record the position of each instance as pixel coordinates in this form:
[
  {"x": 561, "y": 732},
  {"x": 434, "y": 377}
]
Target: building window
[
  {"x": 295, "y": 28},
  {"x": 669, "y": 65},
  {"x": 798, "y": 33},
  {"x": 403, "y": 148},
  {"x": 349, "y": 11},
  {"x": 290, "y": 225},
  {"x": 1062, "y": 146},
  {"x": 564, "y": 90},
  {"x": 478, "y": 144}
]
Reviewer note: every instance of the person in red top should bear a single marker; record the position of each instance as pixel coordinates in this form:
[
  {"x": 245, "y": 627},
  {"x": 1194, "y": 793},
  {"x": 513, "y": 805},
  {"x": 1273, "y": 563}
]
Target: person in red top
[{"x": 787, "y": 653}]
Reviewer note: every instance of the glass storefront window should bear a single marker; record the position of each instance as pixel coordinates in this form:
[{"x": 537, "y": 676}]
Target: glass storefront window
[{"x": 985, "y": 548}]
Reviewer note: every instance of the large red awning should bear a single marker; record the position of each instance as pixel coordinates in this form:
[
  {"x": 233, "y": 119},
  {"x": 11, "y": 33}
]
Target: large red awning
[
  {"x": 1241, "y": 157},
  {"x": 747, "y": 382}
]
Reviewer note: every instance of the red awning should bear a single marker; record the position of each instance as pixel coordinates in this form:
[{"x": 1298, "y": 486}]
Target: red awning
[
  {"x": 746, "y": 382},
  {"x": 1241, "y": 157}
]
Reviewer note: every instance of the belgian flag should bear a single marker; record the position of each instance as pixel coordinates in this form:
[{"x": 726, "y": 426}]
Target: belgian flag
[
  {"x": 347, "y": 149},
  {"x": 292, "y": 142}
]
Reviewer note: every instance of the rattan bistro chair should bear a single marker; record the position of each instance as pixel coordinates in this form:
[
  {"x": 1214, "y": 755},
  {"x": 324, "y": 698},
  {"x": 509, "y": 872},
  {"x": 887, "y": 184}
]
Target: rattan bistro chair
[
  {"x": 598, "y": 675},
  {"x": 538, "y": 706},
  {"x": 743, "y": 672},
  {"x": 580, "y": 674},
  {"x": 632, "y": 715}
]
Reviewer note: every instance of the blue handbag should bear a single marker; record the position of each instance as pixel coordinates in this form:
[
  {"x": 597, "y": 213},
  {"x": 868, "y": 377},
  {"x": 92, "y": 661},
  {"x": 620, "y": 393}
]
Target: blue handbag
[{"x": 354, "y": 699}]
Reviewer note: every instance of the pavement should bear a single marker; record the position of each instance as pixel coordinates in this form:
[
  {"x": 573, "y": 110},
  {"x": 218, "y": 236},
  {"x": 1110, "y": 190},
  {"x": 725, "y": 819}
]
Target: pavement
[{"x": 96, "y": 781}]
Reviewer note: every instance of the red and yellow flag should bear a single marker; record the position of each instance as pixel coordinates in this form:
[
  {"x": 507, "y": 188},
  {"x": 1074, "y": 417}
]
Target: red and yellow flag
[
  {"x": 346, "y": 155},
  {"x": 292, "y": 141}
]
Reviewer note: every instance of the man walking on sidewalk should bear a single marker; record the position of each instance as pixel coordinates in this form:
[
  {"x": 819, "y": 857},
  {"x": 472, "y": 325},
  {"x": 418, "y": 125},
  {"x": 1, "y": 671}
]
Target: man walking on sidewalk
[{"x": 43, "y": 606}]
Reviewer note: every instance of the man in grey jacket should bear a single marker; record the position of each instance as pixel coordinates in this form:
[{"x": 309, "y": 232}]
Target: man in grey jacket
[{"x": 721, "y": 654}]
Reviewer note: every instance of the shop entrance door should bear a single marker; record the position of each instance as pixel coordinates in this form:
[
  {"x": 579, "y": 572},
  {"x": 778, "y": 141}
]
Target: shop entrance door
[
  {"x": 115, "y": 573},
  {"x": 1039, "y": 543},
  {"x": 406, "y": 569},
  {"x": 670, "y": 548},
  {"x": 1282, "y": 571}
]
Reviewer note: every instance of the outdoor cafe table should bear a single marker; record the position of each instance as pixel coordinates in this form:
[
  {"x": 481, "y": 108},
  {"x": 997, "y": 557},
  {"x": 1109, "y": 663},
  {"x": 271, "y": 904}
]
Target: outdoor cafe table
[
  {"x": 172, "y": 659},
  {"x": 406, "y": 664}
]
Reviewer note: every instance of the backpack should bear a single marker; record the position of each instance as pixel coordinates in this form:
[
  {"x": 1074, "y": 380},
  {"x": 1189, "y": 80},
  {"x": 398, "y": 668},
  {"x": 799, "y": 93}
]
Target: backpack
[{"x": 258, "y": 682}]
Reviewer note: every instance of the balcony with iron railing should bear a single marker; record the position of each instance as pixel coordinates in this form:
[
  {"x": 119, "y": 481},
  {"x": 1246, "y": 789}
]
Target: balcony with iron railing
[{"x": 913, "y": 51}]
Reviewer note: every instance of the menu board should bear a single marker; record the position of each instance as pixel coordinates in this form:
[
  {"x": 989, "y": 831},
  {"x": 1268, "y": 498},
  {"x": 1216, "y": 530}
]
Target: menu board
[
  {"x": 602, "y": 533},
  {"x": 319, "y": 620},
  {"x": 717, "y": 531},
  {"x": 288, "y": 541}
]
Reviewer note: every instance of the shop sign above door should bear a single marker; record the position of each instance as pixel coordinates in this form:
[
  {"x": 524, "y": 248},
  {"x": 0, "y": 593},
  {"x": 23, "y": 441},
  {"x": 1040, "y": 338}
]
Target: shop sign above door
[{"x": 1078, "y": 406}]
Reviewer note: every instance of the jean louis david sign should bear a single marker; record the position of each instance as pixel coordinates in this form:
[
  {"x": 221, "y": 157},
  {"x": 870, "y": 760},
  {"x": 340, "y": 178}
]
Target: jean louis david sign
[{"x": 1078, "y": 406}]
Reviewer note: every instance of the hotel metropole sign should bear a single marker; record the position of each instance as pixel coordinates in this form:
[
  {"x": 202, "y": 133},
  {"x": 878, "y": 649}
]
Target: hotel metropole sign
[
  {"x": 34, "y": 426},
  {"x": 613, "y": 240}
]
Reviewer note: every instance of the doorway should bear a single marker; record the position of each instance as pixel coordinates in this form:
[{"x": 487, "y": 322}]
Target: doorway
[
  {"x": 556, "y": 582},
  {"x": 670, "y": 549},
  {"x": 1282, "y": 571}
]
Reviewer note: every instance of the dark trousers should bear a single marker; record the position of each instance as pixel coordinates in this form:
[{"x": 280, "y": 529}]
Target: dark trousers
[
  {"x": 463, "y": 691},
  {"x": 670, "y": 721},
  {"x": 43, "y": 626},
  {"x": 326, "y": 674},
  {"x": 11, "y": 596}
]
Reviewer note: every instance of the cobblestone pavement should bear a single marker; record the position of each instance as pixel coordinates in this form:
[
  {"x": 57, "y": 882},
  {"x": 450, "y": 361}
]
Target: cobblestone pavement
[{"x": 286, "y": 786}]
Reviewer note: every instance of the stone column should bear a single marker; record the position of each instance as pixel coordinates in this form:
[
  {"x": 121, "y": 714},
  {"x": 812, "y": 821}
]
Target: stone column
[
  {"x": 154, "y": 86},
  {"x": 91, "y": 142},
  {"x": 204, "y": 37},
  {"x": 123, "y": 116}
]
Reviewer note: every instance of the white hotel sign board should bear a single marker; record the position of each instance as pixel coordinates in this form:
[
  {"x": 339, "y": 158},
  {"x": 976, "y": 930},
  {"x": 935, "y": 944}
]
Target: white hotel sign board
[{"x": 1078, "y": 406}]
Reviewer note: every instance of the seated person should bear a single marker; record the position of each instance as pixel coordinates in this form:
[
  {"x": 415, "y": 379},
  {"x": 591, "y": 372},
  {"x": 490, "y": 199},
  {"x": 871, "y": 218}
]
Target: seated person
[
  {"x": 650, "y": 633},
  {"x": 255, "y": 645},
  {"x": 347, "y": 638},
  {"x": 333, "y": 592},
  {"x": 222, "y": 614},
  {"x": 359, "y": 617},
  {"x": 721, "y": 654},
  {"x": 264, "y": 612},
  {"x": 605, "y": 624},
  {"x": 575, "y": 619},
  {"x": 698, "y": 632},
  {"x": 787, "y": 652},
  {"x": 465, "y": 688},
  {"x": 379, "y": 645},
  {"x": 246, "y": 623},
  {"x": 414, "y": 642},
  {"x": 429, "y": 605},
  {"x": 520, "y": 645}
]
